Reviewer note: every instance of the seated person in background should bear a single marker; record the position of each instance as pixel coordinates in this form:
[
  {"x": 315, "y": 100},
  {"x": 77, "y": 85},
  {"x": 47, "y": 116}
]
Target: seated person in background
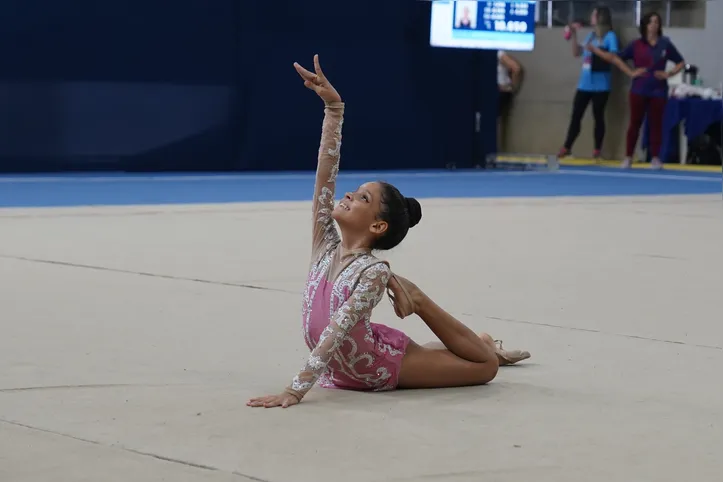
[{"x": 509, "y": 74}]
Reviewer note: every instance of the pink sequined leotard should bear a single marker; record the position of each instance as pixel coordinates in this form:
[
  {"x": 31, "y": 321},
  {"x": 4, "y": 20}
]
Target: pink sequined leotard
[{"x": 343, "y": 287}]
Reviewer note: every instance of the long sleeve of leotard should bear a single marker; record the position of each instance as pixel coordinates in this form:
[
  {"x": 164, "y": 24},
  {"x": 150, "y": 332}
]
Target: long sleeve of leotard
[
  {"x": 367, "y": 293},
  {"x": 324, "y": 230}
]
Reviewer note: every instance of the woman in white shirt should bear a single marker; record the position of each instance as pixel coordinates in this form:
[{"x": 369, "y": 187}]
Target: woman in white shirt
[{"x": 509, "y": 72}]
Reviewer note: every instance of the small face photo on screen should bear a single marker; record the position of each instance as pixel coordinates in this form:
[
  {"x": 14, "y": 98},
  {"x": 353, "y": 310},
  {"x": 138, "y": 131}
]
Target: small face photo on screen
[{"x": 465, "y": 15}]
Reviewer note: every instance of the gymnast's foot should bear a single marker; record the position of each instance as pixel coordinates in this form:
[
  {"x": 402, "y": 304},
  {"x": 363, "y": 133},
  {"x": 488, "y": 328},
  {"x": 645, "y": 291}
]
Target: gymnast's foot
[
  {"x": 407, "y": 297},
  {"x": 509, "y": 357}
]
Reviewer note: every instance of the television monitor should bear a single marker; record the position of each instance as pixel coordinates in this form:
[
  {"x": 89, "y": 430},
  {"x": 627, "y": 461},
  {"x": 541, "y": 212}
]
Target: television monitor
[{"x": 469, "y": 24}]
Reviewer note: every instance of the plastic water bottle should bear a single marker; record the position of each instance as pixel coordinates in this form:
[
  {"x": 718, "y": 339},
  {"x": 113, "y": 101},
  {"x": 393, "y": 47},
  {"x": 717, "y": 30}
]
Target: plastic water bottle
[
  {"x": 553, "y": 163},
  {"x": 568, "y": 29}
]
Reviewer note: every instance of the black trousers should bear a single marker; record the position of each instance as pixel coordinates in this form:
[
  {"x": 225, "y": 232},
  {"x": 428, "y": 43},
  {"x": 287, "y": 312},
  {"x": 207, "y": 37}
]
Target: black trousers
[
  {"x": 579, "y": 106},
  {"x": 503, "y": 104}
]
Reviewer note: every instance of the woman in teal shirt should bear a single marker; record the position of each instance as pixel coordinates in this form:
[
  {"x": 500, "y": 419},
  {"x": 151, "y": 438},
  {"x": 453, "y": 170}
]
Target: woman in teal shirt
[{"x": 595, "y": 79}]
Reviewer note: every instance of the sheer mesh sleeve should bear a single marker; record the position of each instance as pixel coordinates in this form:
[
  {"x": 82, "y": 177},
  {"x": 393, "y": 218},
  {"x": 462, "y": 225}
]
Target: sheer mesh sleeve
[
  {"x": 324, "y": 231},
  {"x": 358, "y": 308}
]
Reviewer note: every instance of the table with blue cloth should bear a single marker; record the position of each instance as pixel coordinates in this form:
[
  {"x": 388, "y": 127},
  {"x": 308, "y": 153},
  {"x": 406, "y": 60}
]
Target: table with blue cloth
[{"x": 698, "y": 114}]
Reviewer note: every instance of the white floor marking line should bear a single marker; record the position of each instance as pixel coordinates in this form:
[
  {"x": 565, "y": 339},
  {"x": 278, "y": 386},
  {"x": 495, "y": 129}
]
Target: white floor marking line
[{"x": 673, "y": 177}]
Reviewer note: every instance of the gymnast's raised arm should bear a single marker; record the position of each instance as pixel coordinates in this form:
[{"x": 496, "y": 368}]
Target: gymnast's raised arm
[{"x": 324, "y": 234}]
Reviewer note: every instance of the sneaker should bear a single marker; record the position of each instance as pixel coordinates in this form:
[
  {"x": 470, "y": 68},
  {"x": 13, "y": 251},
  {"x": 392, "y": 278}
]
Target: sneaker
[
  {"x": 564, "y": 152},
  {"x": 596, "y": 155},
  {"x": 627, "y": 163},
  {"x": 656, "y": 164}
]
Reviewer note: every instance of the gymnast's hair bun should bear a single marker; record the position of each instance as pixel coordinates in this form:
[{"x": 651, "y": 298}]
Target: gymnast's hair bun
[{"x": 414, "y": 211}]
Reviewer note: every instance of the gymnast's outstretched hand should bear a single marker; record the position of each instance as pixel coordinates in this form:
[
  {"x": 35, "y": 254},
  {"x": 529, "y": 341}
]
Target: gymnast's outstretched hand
[
  {"x": 283, "y": 400},
  {"x": 318, "y": 82}
]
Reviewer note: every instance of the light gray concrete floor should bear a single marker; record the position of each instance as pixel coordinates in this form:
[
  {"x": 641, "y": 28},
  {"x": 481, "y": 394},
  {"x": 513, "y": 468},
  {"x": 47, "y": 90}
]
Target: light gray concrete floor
[{"x": 132, "y": 337}]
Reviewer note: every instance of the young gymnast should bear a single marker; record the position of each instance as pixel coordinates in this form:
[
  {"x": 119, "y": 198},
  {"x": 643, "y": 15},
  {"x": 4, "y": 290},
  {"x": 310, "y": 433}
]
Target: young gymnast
[{"x": 346, "y": 282}]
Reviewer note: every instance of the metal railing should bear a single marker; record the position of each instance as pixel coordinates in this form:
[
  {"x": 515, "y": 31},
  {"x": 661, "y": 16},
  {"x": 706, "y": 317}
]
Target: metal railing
[{"x": 545, "y": 12}]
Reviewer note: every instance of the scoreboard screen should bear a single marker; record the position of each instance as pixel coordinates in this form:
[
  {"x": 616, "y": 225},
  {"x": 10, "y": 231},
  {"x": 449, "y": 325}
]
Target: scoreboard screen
[{"x": 483, "y": 25}]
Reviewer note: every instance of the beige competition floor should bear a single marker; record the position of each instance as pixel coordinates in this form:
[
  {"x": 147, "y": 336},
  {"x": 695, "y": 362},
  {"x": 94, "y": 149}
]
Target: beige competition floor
[{"x": 132, "y": 338}]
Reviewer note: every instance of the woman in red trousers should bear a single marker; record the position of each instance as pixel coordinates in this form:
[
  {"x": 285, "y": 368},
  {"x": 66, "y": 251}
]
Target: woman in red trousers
[{"x": 649, "y": 91}]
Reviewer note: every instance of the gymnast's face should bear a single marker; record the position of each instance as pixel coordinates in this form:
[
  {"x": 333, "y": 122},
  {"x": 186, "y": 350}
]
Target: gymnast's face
[{"x": 359, "y": 210}]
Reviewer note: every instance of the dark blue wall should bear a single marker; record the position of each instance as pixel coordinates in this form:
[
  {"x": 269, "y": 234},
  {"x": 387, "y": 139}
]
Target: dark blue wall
[{"x": 209, "y": 85}]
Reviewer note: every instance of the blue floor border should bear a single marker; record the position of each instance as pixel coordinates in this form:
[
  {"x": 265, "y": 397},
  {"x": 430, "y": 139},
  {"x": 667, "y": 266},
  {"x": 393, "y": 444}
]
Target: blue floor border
[{"x": 83, "y": 189}]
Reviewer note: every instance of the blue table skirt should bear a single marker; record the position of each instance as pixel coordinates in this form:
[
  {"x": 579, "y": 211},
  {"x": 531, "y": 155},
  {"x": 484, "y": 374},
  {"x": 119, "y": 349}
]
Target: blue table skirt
[{"x": 698, "y": 115}]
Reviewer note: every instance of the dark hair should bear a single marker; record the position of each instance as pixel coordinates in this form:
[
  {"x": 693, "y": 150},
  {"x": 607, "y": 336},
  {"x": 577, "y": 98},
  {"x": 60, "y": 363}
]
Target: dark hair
[
  {"x": 604, "y": 17},
  {"x": 400, "y": 213},
  {"x": 646, "y": 20}
]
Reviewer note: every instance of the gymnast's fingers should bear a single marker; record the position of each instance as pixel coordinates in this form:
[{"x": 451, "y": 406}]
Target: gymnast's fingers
[
  {"x": 258, "y": 401},
  {"x": 274, "y": 402},
  {"x": 317, "y": 67},
  {"x": 305, "y": 74}
]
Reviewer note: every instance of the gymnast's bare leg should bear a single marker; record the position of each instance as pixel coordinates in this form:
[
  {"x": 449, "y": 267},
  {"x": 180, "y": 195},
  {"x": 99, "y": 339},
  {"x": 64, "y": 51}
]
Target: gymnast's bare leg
[{"x": 460, "y": 358}]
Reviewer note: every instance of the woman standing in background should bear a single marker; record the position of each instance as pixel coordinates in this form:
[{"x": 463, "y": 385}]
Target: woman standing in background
[
  {"x": 649, "y": 92},
  {"x": 595, "y": 79}
]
